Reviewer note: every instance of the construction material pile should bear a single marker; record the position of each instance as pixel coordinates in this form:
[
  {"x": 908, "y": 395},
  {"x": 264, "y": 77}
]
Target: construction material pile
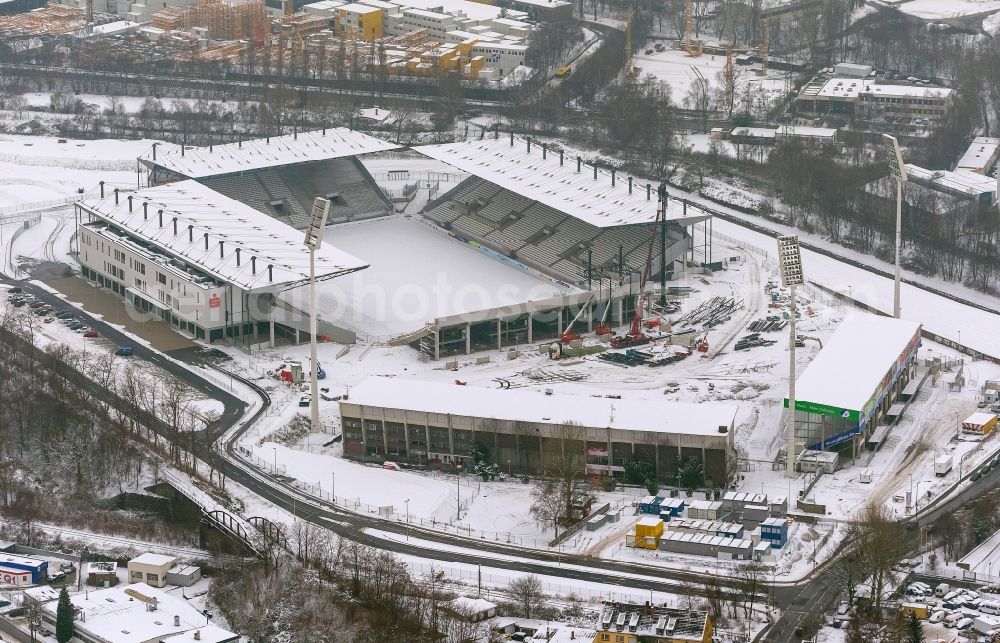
[
  {"x": 713, "y": 312},
  {"x": 752, "y": 341},
  {"x": 770, "y": 324}
]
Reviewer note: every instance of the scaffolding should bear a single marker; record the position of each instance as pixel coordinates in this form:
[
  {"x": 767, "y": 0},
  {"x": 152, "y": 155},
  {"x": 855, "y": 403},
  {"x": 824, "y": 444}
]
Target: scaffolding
[
  {"x": 53, "y": 19},
  {"x": 224, "y": 20}
]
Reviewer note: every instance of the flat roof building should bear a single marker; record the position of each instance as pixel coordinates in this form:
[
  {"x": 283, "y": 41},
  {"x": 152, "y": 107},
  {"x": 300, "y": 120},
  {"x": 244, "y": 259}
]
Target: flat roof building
[
  {"x": 439, "y": 423},
  {"x": 629, "y": 623},
  {"x": 849, "y": 386},
  {"x": 981, "y": 157},
  {"x": 136, "y": 613}
]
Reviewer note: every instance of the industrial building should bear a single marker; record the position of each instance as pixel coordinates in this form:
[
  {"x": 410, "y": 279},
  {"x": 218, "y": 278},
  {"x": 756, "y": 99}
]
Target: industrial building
[
  {"x": 630, "y": 623},
  {"x": 849, "y": 387},
  {"x": 21, "y": 570},
  {"x": 429, "y": 423},
  {"x": 908, "y": 105},
  {"x": 136, "y": 613}
]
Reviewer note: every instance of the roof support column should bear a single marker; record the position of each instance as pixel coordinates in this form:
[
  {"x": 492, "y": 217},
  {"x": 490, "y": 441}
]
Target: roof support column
[
  {"x": 499, "y": 336},
  {"x": 531, "y": 321},
  {"x": 271, "y": 324},
  {"x": 468, "y": 338}
]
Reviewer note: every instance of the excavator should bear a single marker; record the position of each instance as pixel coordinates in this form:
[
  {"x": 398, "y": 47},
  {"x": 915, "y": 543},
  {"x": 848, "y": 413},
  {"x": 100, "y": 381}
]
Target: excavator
[{"x": 635, "y": 335}]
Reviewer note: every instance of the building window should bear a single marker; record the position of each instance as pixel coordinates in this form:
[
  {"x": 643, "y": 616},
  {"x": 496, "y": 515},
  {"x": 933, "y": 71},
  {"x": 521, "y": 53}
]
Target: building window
[
  {"x": 136, "y": 577},
  {"x": 161, "y": 278},
  {"x": 153, "y": 578}
]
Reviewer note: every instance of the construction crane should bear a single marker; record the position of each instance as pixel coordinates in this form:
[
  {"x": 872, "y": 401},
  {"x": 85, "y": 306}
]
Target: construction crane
[
  {"x": 568, "y": 335},
  {"x": 90, "y": 12},
  {"x": 629, "y": 15},
  {"x": 635, "y": 336},
  {"x": 764, "y": 44},
  {"x": 687, "y": 42}
]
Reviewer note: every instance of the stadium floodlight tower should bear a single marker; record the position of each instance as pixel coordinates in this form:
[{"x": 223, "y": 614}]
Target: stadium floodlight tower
[
  {"x": 898, "y": 171},
  {"x": 790, "y": 263},
  {"x": 313, "y": 241}
]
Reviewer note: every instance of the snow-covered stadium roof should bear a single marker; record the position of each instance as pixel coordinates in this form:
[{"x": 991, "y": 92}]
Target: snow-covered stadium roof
[
  {"x": 855, "y": 361},
  {"x": 559, "y": 186},
  {"x": 201, "y": 162},
  {"x": 658, "y": 416},
  {"x": 225, "y": 238}
]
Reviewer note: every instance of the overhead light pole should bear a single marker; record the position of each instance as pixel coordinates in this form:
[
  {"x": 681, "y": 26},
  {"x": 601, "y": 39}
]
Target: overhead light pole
[
  {"x": 898, "y": 172},
  {"x": 790, "y": 263},
  {"x": 313, "y": 241}
]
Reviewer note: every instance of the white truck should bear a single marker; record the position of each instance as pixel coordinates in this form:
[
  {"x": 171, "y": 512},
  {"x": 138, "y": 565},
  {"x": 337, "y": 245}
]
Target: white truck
[
  {"x": 986, "y": 624},
  {"x": 942, "y": 465}
]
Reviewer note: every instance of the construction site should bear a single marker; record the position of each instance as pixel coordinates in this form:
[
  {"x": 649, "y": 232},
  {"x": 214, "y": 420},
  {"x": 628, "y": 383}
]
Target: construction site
[{"x": 326, "y": 38}]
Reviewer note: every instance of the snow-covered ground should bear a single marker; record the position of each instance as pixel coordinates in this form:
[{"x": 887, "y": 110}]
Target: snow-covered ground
[
  {"x": 946, "y": 9},
  {"x": 679, "y": 70},
  {"x": 418, "y": 273}
]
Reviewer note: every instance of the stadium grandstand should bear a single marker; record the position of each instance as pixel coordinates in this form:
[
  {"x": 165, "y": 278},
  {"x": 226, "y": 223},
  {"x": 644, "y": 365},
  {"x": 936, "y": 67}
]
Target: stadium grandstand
[
  {"x": 558, "y": 215},
  {"x": 281, "y": 176}
]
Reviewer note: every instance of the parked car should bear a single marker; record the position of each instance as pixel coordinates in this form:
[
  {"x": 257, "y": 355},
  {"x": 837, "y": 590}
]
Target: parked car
[
  {"x": 56, "y": 577},
  {"x": 305, "y": 400},
  {"x": 64, "y": 314},
  {"x": 67, "y": 567},
  {"x": 36, "y": 304},
  {"x": 18, "y": 303},
  {"x": 124, "y": 351},
  {"x": 49, "y": 320},
  {"x": 91, "y": 333},
  {"x": 44, "y": 310},
  {"x": 963, "y": 623},
  {"x": 14, "y": 290},
  {"x": 842, "y": 608},
  {"x": 937, "y": 616}
]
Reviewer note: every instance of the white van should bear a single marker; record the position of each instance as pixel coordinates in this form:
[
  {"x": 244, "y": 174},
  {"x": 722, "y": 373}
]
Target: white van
[
  {"x": 989, "y": 607},
  {"x": 937, "y": 616},
  {"x": 942, "y": 589},
  {"x": 953, "y": 619}
]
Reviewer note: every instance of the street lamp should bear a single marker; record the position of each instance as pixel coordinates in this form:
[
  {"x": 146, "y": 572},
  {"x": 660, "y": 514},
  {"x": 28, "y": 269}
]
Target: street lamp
[
  {"x": 458, "y": 494},
  {"x": 898, "y": 172},
  {"x": 333, "y": 488},
  {"x": 275, "y": 451},
  {"x": 313, "y": 241},
  {"x": 790, "y": 263}
]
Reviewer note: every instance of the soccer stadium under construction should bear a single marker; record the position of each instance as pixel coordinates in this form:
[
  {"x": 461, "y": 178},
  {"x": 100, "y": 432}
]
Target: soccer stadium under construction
[{"x": 533, "y": 245}]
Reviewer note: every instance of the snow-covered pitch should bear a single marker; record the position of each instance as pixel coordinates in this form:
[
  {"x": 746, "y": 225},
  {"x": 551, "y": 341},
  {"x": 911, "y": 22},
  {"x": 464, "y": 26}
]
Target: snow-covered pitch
[{"x": 417, "y": 274}]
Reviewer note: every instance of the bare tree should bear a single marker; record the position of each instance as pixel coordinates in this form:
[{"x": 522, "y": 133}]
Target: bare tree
[
  {"x": 526, "y": 592},
  {"x": 880, "y": 543}
]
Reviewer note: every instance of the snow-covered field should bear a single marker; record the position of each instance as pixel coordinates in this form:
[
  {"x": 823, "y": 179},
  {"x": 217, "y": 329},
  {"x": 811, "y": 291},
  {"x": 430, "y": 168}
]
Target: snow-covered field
[
  {"x": 416, "y": 275},
  {"x": 675, "y": 68}
]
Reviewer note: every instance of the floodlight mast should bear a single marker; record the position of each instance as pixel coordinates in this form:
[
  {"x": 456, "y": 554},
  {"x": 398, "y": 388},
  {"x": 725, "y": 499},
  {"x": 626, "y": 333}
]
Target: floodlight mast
[
  {"x": 314, "y": 241},
  {"x": 898, "y": 172},
  {"x": 790, "y": 263}
]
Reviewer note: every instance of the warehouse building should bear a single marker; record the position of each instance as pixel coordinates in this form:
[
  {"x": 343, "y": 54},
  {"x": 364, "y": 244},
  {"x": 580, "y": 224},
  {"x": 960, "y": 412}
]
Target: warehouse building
[
  {"x": 20, "y": 570},
  {"x": 850, "y": 386},
  {"x": 437, "y": 424}
]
